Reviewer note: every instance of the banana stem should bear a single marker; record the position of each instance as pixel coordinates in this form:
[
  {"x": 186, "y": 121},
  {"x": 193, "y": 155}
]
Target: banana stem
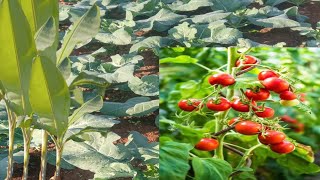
[
  {"x": 26, "y": 144},
  {"x": 44, "y": 146},
  {"x": 232, "y": 57},
  {"x": 58, "y": 162},
  {"x": 12, "y": 126}
]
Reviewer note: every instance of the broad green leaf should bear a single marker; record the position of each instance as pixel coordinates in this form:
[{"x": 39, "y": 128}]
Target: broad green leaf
[
  {"x": 273, "y": 2},
  {"x": 119, "y": 61},
  {"x": 183, "y": 33},
  {"x": 222, "y": 34},
  {"x": 17, "y": 157},
  {"x": 280, "y": 21},
  {"x": 121, "y": 75},
  {"x": 145, "y": 7},
  {"x": 297, "y": 164},
  {"x": 43, "y": 15},
  {"x": 144, "y": 108},
  {"x": 146, "y": 86},
  {"x": 154, "y": 42},
  {"x": 89, "y": 122},
  {"x": 49, "y": 96},
  {"x": 140, "y": 148},
  {"x": 230, "y": 5},
  {"x": 119, "y": 37},
  {"x": 90, "y": 106},
  {"x": 39, "y": 11},
  {"x": 211, "y": 168},
  {"x": 179, "y": 59},
  {"x": 189, "y": 5},
  {"x": 208, "y": 17},
  {"x": 80, "y": 32},
  {"x": 120, "y": 109},
  {"x": 162, "y": 21},
  {"x": 86, "y": 77},
  {"x": 99, "y": 148},
  {"x": 172, "y": 156},
  {"x": 47, "y": 35},
  {"x": 16, "y": 54}
]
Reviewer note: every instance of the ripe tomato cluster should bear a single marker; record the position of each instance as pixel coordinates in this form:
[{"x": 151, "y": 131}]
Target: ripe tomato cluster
[
  {"x": 248, "y": 103},
  {"x": 274, "y": 139}
]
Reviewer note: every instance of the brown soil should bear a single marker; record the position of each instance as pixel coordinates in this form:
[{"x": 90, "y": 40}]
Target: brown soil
[
  {"x": 34, "y": 169},
  {"x": 312, "y": 10},
  {"x": 271, "y": 36},
  {"x": 144, "y": 125}
]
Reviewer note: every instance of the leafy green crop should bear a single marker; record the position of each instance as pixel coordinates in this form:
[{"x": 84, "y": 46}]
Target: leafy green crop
[{"x": 155, "y": 23}]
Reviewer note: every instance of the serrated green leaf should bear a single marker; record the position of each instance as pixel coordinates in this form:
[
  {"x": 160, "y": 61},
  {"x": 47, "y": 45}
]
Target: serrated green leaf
[
  {"x": 173, "y": 155},
  {"x": 211, "y": 168}
]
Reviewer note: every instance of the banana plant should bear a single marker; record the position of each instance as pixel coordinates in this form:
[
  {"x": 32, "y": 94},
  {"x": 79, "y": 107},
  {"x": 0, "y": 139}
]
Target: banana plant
[
  {"x": 52, "y": 102},
  {"x": 16, "y": 60}
]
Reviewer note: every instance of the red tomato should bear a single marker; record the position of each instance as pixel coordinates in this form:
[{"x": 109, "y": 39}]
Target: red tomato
[
  {"x": 247, "y": 60},
  {"x": 248, "y": 127},
  {"x": 303, "y": 97},
  {"x": 233, "y": 120},
  {"x": 288, "y": 119},
  {"x": 271, "y": 137},
  {"x": 275, "y": 84},
  {"x": 266, "y": 74},
  {"x": 287, "y": 95},
  {"x": 266, "y": 113},
  {"x": 260, "y": 95},
  {"x": 240, "y": 106},
  {"x": 189, "y": 104},
  {"x": 222, "y": 79},
  {"x": 207, "y": 144},
  {"x": 284, "y": 147},
  {"x": 221, "y": 104},
  {"x": 298, "y": 127}
]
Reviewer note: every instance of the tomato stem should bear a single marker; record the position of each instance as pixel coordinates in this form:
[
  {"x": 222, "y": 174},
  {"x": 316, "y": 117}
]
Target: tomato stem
[{"x": 232, "y": 58}]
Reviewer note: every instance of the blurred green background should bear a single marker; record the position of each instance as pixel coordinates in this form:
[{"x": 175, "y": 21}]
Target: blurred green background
[{"x": 187, "y": 80}]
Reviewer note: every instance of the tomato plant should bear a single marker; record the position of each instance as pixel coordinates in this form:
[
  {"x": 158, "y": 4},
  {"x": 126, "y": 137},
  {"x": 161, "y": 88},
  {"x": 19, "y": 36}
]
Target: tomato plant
[
  {"x": 54, "y": 93},
  {"x": 255, "y": 133}
]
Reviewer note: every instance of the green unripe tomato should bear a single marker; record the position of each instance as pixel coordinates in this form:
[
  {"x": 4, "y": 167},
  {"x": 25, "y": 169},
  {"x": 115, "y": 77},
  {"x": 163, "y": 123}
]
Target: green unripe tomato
[{"x": 289, "y": 102}]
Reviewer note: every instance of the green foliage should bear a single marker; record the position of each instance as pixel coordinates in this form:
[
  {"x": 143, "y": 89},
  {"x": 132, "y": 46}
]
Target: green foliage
[{"x": 189, "y": 80}]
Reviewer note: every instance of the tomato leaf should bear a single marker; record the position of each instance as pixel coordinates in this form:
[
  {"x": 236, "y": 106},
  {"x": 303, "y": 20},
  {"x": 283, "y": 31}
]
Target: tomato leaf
[
  {"x": 211, "y": 168},
  {"x": 173, "y": 155}
]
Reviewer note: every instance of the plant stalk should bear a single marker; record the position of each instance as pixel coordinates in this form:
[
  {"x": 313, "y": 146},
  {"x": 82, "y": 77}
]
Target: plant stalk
[
  {"x": 232, "y": 57},
  {"x": 44, "y": 146},
  {"x": 12, "y": 127},
  {"x": 247, "y": 154},
  {"x": 26, "y": 144},
  {"x": 59, "y": 151}
]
